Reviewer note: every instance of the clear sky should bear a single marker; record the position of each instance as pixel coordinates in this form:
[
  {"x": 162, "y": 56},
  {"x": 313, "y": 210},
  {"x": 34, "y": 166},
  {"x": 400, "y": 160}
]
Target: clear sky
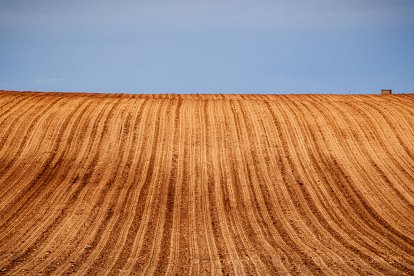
[{"x": 210, "y": 46}]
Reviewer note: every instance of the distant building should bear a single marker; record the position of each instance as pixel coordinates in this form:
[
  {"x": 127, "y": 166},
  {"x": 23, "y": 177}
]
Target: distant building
[{"x": 386, "y": 91}]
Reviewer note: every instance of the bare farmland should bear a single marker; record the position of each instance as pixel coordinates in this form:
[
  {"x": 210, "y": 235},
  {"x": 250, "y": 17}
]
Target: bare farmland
[{"x": 202, "y": 184}]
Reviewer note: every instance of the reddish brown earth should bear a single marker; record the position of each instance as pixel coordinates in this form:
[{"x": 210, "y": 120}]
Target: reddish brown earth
[{"x": 96, "y": 184}]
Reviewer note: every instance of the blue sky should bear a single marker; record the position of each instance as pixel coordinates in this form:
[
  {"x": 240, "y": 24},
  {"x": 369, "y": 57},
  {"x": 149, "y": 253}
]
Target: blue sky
[{"x": 244, "y": 46}]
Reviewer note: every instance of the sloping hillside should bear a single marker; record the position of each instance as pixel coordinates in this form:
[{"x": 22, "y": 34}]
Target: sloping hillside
[{"x": 200, "y": 184}]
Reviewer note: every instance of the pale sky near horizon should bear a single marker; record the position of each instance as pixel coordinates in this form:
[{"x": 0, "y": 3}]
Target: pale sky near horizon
[{"x": 244, "y": 46}]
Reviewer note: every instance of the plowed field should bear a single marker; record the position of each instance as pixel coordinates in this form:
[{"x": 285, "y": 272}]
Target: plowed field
[{"x": 96, "y": 184}]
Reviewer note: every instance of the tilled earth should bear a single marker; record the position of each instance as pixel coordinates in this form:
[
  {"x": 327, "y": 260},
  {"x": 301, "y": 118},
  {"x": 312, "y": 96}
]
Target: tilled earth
[{"x": 105, "y": 184}]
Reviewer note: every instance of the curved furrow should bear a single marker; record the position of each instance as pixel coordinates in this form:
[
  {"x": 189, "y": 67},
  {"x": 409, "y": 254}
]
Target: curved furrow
[
  {"x": 164, "y": 228},
  {"x": 18, "y": 128},
  {"x": 299, "y": 180},
  {"x": 35, "y": 140},
  {"x": 240, "y": 182},
  {"x": 315, "y": 138},
  {"x": 361, "y": 160},
  {"x": 217, "y": 194},
  {"x": 206, "y": 244},
  {"x": 295, "y": 226},
  {"x": 41, "y": 183},
  {"x": 395, "y": 132},
  {"x": 219, "y": 197},
  {"x": 113, "y": 184},
  {"x": 140, "y": 180},
  {"x": 84, "y": 235},
  {"x": 225, "y": 200},
  {"x": 57, "y": 174},
  {"x": 108, "y": 203},
  {"x": 35, "y": 184},
  {"x": 364, "y": 175},
  {"x": 403, "y": 106},
  {"x": 153, "y": 230},
  {"x": 403, "y": 171},
  {"x": 256, "y": 221},
  {"x": 373, "y": 213},
  {"x": 32, "y": 176},
  {"x": 400, "y": 130},
  {"x": 114, "y": 245},
  {"x": 267, "y": 202},
  {"x": 18, "y": 101},
  {"x": 180, "y": 228},
  {"x": 331, "y": 230},
  {"x": 278, "y": 171},
  {"x": 11, "y": 105},
  {"x": 68, "y": 232},
  {"x": 70, "y": 208},
  {"x": 26, "y": 139},
  {"x": 317, "y": 231},
  {"x": 195, "y": 175},
  {"x": 364, "y": 244},
  {"x": 145, "y": 216}
]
